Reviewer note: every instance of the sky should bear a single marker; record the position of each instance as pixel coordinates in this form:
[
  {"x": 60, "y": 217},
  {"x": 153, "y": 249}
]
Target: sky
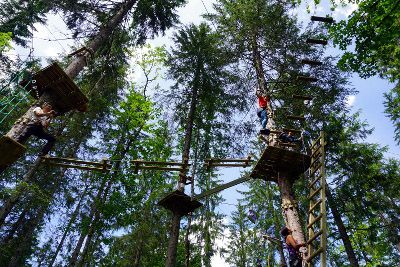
[{"x": 369, "y": 100}]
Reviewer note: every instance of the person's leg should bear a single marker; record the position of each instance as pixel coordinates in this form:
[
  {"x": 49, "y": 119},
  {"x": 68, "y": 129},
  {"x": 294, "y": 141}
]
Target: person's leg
[
  {"x": 27, "y": 132},
  {"x": 264, "y": 118},
  {"x": 40, "y": 133}
]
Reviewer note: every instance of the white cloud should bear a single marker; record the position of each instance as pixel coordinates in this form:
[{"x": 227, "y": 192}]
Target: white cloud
[{"x": 350, "y": 100}]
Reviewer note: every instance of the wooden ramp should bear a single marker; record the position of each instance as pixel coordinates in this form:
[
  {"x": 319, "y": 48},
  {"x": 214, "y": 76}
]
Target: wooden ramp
[
  {"x": 274, "y": 160},
  {"x": 179, "y": 202},
  {"x": 10, "y": 151},
  {"x": 60, "y": 88}
]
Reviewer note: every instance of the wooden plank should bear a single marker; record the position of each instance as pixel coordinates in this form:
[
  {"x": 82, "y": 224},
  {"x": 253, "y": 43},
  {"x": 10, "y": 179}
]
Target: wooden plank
[
  {"x": 53, "y": 81},
  {"x": 311, "y": 62},
  {"x": 159, "y": 162},
  {"x": 226, "y": 165},
  {"x": 314, "y": 193},
  {"x": 275, "y": 159},
  {"x": 222, "y": 187},
  {"x": 311, "y": 185},
  {"x": 309, "y": 241},
  {"x": 73, "y": 166},
  {"x": 314, "y": 206},
  {"x": 229, "y": 160},
  {"x": 293, "y": 117},
  {"x": 306, "y": 78},
  {"x": 179, "y": 202},
  {"x": 156, "y": 168},
  {"x": 322, "y": 19},
  {"x": 10, "y": 151},
  {"x": 58, "y": 159},
  {"x": 317, "y": 41},
  {"x": 302, "y": 97},
  {"x": 319, "y": 217},
  {"x": 315, "y": 254}
]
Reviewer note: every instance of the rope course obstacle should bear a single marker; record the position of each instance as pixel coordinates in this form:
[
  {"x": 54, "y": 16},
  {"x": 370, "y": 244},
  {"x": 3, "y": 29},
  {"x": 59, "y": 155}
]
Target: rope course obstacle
[{"x": 51, "y": 85}]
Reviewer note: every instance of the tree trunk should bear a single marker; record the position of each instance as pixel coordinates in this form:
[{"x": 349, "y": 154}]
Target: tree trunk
[
  {"x": 100, "y": 198},
  {"x": 189, "y": 224},
  {"x": 176, "y": 218},
  {"x": 68, "y": 227},
  {"x": 342, "y": 229},
  {"x": 257, "y": 62},
  {"x": 173, "y": 240},
  {"x": 289, "y": 207},
  {"x": 27, "y": 238}
]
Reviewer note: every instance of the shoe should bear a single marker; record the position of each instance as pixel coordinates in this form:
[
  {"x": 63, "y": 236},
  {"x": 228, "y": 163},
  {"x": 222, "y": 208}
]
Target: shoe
[{"x": 265, "y": 131}]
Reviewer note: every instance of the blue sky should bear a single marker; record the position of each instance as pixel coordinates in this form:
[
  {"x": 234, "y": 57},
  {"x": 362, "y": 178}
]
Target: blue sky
[{"x": 369, "y": 99}]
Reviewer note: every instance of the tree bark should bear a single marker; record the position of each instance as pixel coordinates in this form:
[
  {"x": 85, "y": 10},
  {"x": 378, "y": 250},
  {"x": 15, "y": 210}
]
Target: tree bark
[
  {"x": 176, "y": 218},
  {"x": 342, "y": 230},
  {"x": 289, "y": 207},
  {"x": 173, "y": 240}
]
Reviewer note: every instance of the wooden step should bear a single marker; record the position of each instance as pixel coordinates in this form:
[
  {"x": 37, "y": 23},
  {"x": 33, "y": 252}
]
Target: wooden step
[
  {"x": 322, "y": 19},
  {"x": 316, "y": 41},
  {"x": 179, "y": 202},
  {"x": 59, "y": 87},
  {"x": 316, "y": 219},
  {"x": 10, "y": 151},
  {"x": 311, "y": 62},
  {"x": 292, "y": 117},
  {"x": 302, "y": 97},
  {"x": 307, "y": 79}
]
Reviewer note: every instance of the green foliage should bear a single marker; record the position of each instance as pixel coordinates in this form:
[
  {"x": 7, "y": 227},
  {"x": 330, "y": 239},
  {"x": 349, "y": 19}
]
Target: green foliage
[{"x": 5, "y": 39}]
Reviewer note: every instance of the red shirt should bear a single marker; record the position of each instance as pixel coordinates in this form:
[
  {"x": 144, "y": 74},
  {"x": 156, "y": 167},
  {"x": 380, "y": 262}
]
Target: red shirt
[{"x": 262, "y": 101}]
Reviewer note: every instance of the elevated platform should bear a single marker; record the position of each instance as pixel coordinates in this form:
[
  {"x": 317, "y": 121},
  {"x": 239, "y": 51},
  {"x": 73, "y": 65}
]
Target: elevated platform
[
  {"x": 60, "y": 88},
  {"x": 322, "y": 19},
  {"x": 10, "y": 151},
  {"x": 317, "y": 41},
  {"x": 276, "y": 160},
  {"x": 311, "y": 62},
  {"x": 178, "y": 201},
  {"x": 306, "y": 79}
]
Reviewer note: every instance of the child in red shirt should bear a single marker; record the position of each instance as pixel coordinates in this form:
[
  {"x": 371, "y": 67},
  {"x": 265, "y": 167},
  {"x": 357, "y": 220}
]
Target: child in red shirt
[{"x": 263, "y": 108}]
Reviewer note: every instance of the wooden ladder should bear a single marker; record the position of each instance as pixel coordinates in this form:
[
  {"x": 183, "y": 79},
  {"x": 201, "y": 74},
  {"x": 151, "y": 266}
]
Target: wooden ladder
[{"x": 317, "y": 222}]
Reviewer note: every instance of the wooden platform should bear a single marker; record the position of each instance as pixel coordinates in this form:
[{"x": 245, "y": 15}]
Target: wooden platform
[
  {"x": 307, "y": 79},
  {"x": 10, "y": 151},
  {"x": 276, "y": 160},
  {"x": 322, "y": 19},
  {"x": 311, "y": 62},
  {"x": 316, "y": 41},
  {"x": 60, "y": 88},
  {"x": 178, "y": 201}
]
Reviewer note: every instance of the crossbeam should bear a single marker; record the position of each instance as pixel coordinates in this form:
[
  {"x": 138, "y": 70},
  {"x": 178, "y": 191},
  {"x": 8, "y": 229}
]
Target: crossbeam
[
  {"x": 77, "y": 164},
  {"x": 139, "y": 161},
  {"x": 221, "y": 187},
  {"x": 322, "y": 19}
]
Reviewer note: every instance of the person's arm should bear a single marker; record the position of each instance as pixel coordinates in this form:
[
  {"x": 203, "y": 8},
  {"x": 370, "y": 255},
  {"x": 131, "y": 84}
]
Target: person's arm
[
  {"x": 290, "y": 241},
  {"x": 41, "y": 113}
]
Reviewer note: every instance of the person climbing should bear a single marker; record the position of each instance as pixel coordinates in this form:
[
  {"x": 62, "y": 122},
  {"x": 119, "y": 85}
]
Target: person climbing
[
  {"x": 37, "y": 125},
  {"x": 289, "y": 138},
  {"x": 292, "y": 247},
  {"x": 264, "y": 107}
]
